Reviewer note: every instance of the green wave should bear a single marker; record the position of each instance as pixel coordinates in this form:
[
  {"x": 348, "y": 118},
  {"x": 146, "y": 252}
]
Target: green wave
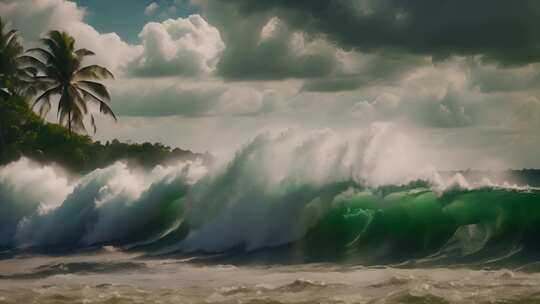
[
  {"x": 417, "y": 224},
  {"x": 246, "y": 214}
]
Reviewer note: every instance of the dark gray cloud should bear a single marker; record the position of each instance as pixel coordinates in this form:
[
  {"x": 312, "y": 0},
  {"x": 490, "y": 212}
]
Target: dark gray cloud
[
  {"x": 250, "y": 55},
  {"x": 272, "y": 60},
  {"x": 449, "y": 111},
  {"x": 507, "y": 32},
  {"x": 165, "y": 102},
  {"x": 149, "y": 99},
  {"x": 336, "y": 84},
  {"x": 263, "y": 44},
  {"x": 364, "y": 70},
  {"x": 490, "y": 79}
]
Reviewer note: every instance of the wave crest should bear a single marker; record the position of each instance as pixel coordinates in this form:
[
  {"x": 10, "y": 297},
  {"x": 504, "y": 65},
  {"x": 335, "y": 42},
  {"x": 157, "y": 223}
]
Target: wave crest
[{"x": 323, "y": 196}]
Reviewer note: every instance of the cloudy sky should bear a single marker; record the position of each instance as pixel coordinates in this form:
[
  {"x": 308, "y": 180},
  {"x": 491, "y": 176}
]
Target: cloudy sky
[{"x": 460, "y": 77}]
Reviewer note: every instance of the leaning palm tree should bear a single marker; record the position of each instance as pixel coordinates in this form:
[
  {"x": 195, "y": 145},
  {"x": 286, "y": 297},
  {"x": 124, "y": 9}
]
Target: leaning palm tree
[
  {"x": 16, "y": 73},
  {"x": 61, "y": 74}
]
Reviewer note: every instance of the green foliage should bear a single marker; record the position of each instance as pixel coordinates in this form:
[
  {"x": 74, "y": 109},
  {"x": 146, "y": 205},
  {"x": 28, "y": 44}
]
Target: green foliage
[
  {"x": 25, "y": 134},
  {"x": 61, "y": 73},
  {"x": 16, "y": 76},
  {"x": 57, "y": 71}
]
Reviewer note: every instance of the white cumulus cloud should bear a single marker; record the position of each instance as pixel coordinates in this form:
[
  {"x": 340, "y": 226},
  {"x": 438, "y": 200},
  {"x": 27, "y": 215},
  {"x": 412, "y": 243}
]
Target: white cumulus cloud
[
  {"x": 184, "y": 46},
  {"x": 34, "y": 18}
]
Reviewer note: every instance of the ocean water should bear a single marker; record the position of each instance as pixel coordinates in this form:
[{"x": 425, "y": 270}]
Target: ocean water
[
  {"x": 291, "y": 218},
  {"x": 109, "y": 277}
]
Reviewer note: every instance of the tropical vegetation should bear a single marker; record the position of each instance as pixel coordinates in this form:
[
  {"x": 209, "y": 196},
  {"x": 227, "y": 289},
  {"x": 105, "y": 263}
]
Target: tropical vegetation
[
  {"x": 61, "y": 73},
  {"x": 39, "y": 75},
  {"x": 16, "y": 75}
]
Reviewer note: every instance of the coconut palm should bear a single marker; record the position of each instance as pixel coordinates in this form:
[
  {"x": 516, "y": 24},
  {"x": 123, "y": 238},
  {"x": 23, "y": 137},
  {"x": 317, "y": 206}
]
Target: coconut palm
[
  {"x": 61, "y": 74},
  {"x": 16, "y": 74}
]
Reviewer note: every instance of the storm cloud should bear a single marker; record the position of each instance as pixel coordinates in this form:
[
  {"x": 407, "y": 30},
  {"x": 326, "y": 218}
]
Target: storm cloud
[{"x": 507, "y": 32}]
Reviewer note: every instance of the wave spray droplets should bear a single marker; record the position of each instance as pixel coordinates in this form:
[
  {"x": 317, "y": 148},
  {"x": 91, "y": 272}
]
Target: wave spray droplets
[{"x": 323, "y": 196}]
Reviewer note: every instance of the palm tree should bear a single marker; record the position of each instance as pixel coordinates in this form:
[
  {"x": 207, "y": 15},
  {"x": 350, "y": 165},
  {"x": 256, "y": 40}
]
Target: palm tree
[
  {"x": 16, "y": 73},
  {"x": 16, "y": 76},
  {"x": 61, "y": 74}
]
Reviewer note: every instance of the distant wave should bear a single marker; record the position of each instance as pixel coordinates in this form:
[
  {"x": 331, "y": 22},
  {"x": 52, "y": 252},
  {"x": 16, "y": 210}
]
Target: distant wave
[{"x": 311, "y": 197}]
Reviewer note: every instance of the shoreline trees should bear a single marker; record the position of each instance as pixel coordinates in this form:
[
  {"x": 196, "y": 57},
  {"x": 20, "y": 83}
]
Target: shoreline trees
[
  {"x": 54, "y": 70},
  {"x": 57, "y": 70}
]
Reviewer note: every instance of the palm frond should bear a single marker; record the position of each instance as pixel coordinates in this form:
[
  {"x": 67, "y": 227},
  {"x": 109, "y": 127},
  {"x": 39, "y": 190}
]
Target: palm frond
[
  {"x": 76, "y": 116},
  {"x": 51, "y": 44},
  {"x": 45, "y": 107},
  {"x": 32, "y": 61},
  {"x": 43, "y": 53},
  {"x": 95, "y": 87},
  {"x": 77, "y": 98},
  {"x": 10, "y": 37},
  {"x": 93, "y": 72},
  {"x": 30, "y": 71},
  {"x": 104, "y": 107},
  {"x": 93, "y": 122},
  {"x": 84, "y": 52},
  {"x": 4, "y": 94},
  {"x": 45, "y": 98},
  {"x": 45, "y": 79}
]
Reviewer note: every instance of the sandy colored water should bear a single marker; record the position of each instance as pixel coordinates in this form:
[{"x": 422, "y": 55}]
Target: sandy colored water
[{"x": 122, "y": 278}]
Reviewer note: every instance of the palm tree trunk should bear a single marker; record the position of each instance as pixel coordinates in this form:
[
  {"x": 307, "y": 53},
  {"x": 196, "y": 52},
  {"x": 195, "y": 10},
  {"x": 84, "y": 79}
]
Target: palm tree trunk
[{"x": 69, "y": 123}]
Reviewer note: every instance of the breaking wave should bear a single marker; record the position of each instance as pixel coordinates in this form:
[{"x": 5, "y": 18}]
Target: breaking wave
[{"x": 291, "y": 197}]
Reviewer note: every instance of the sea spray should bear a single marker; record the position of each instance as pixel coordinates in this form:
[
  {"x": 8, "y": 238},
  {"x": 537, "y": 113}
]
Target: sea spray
[
  {"x": 322, "y": 196},
  {"x": 277, "y": 186},
  {"x": 110, "y": 204},
  {"x": 27, "y": 188}
]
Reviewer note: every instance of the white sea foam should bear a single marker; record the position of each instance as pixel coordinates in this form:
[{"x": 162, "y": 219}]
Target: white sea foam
[{"x": 273, "y": 190}]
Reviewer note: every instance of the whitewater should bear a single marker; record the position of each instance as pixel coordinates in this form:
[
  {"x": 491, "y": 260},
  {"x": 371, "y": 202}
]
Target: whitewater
[{"x": 293, "y": 216}]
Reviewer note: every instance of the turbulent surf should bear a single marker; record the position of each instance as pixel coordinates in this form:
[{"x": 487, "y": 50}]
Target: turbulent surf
[
  {"x": 287, "y": 198},
  {"x": 291, "y": 218}
]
